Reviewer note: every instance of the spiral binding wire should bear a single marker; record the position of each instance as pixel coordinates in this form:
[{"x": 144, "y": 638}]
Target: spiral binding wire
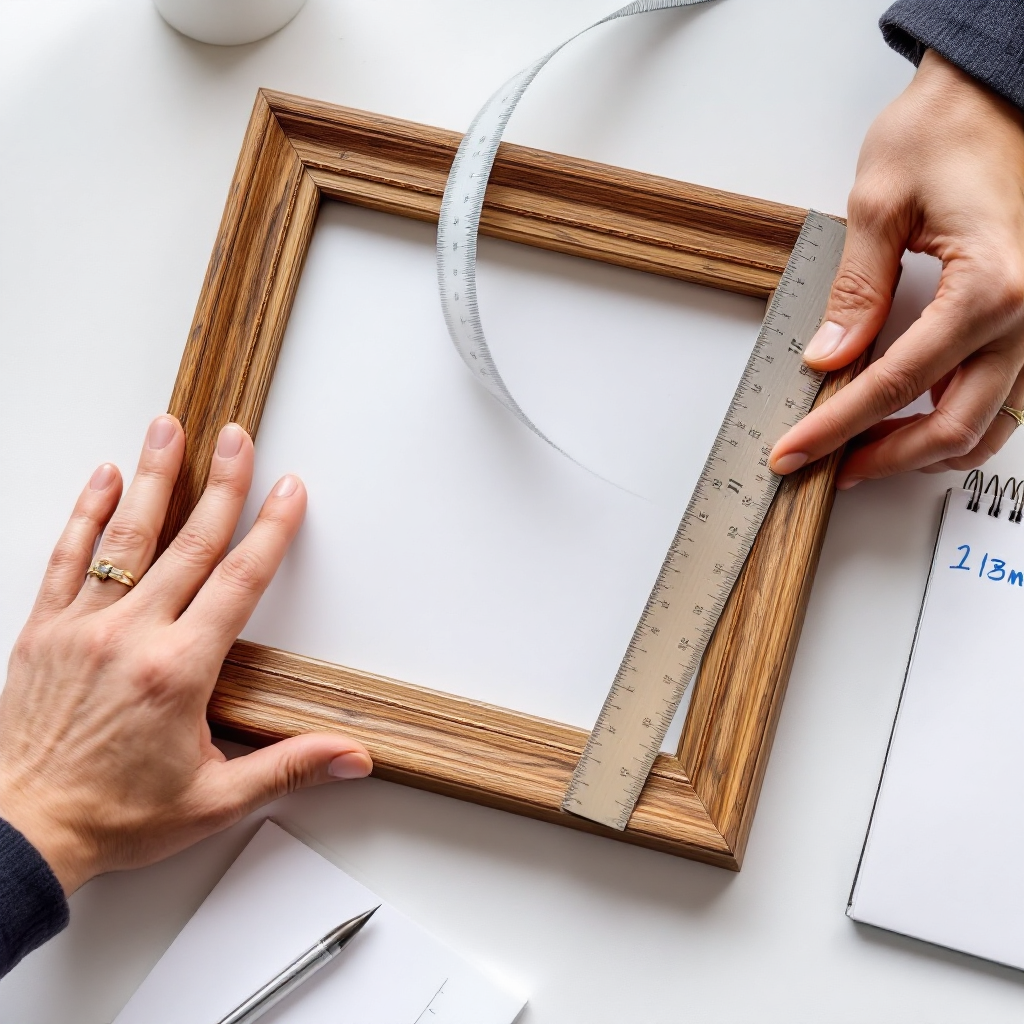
[
  {"x": 975, "y": 483},
  {"x": 1017, "y": 497}
]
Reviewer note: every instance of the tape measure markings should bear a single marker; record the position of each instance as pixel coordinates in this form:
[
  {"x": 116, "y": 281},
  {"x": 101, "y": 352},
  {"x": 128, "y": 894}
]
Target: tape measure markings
[
  {"x": 733, "y": 493},
  {"x": 459, "y": 221}
]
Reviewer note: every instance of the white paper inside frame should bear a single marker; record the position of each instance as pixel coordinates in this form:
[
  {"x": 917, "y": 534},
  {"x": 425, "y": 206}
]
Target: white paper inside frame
[{"x": 446, "y": 545}]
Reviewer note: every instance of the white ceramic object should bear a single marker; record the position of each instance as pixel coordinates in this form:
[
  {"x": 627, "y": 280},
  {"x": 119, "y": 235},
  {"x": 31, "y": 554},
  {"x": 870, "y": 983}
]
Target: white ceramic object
[{"x": 228, "y": 22}]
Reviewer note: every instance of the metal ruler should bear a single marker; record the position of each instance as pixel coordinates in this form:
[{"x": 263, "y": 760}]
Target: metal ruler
[
  {"x": 726, "y": 510},
  {"x": 735, "y": 488}
]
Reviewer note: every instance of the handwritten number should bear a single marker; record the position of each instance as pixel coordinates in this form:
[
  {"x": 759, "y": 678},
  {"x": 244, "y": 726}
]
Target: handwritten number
[{"x": 991, "y": 568}]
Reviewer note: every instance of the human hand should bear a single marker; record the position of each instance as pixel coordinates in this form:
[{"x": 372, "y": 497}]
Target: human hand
[
  {"x": 941, "y": 171},
  {"x": 106, "y": 760}
]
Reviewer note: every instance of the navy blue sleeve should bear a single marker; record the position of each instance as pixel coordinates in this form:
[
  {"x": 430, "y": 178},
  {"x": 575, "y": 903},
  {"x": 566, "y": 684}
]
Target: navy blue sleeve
[
  {"x": 985, "y": 38},
  {"x": 32, "y": 904}
]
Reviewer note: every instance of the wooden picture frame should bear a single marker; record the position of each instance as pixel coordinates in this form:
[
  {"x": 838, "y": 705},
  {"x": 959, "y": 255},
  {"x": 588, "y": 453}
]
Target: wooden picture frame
[{"x": 299, "y": 152}]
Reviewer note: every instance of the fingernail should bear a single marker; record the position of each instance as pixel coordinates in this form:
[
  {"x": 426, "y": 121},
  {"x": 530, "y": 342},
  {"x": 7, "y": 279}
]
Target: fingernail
[
  {"x": 848, "y": 482},
  {"x": 103, "y": 477},
  {"x": 350, "y": 766},
  {"x": 825, "y": 341},
  {"x": 229, "y": 443},
  {"x": 286, "y": 487},
  {"x": 788, "y": 463},
  {"x": 161, "y": 431}
]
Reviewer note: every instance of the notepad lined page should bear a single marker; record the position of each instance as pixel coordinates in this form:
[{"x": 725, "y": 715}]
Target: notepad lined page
[
  {"x": 274, "y": 902},
  {"x": 944, "y": 856}
]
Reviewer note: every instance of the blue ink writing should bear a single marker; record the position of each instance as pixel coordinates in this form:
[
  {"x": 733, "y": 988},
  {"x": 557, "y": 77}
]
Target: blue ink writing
[
  {"x": 996, "y": 568},
  {"x": 966, "y": 549}
]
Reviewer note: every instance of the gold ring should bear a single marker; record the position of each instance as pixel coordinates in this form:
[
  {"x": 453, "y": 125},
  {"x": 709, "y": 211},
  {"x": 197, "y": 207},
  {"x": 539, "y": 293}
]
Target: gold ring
[
  {"x": 1017, "y": 414},
  {"x": 104, "y": 570}
]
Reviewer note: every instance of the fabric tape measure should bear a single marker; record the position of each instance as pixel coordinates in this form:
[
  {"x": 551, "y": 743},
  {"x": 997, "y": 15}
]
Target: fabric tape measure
[
  {"x": 733, "y": 493},
  {"x": 459, "y": 222}
]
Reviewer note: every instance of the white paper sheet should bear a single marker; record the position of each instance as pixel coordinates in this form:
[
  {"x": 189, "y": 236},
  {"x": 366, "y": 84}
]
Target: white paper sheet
[
  {"x": 943, "y": 857},
  {"x": 276, "y": 900},
  {"x": 445, "y": 545}
]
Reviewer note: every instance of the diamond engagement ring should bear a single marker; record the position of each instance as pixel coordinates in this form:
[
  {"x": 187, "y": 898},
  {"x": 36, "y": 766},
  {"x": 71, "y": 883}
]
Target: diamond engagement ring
[{"x": 104, "y": 570}]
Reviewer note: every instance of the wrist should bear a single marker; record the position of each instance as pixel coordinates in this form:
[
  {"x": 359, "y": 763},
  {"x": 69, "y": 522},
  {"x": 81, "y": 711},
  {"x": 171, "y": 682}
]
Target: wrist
[
  {"x": 946, "y": 82},
  {"x": 62, "y": 849}
]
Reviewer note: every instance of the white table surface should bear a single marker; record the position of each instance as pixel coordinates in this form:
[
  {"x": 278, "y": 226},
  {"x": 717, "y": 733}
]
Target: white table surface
[{"x": 119, "y": 139}]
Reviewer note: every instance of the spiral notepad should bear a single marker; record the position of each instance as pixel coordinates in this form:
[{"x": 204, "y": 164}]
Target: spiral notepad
[{"x": 943, "y": 859}]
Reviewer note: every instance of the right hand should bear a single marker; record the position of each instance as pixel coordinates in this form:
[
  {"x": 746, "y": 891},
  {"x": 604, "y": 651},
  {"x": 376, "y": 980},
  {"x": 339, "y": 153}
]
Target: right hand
[{"x": 941, "y": 171}]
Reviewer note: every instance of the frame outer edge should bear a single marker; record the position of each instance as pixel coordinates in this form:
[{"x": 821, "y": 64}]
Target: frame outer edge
[{"x": 240, "y": 321}]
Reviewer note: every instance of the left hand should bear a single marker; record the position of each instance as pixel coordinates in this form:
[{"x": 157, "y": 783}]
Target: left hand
[{"x": 106, "y": 759}]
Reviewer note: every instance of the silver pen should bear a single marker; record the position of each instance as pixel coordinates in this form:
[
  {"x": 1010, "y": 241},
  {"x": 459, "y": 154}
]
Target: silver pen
[{"x": 298, "y": 971}]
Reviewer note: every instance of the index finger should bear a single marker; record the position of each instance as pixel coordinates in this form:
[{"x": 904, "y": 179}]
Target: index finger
[
  {"x": 220, "y": 610},
  {"x": 934, "y": 344}
]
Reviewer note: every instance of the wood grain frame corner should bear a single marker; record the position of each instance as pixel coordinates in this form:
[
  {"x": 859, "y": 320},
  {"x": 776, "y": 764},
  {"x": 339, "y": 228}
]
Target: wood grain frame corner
[{"x": 298, "y": 152}]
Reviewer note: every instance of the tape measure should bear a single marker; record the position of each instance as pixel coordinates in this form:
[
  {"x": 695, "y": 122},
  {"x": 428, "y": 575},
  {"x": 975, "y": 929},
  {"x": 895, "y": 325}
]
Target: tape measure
[
  {"x": 723, "y": 516},
  {"x": 459, "y": 220},
  {"x": 735, "y": 488}
]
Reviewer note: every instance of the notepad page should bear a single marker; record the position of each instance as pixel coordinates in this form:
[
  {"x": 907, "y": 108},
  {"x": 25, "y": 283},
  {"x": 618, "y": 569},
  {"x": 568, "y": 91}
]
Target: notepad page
[
  {"x": 274, "y": 902},
  {"x": 944, "y": 856}
]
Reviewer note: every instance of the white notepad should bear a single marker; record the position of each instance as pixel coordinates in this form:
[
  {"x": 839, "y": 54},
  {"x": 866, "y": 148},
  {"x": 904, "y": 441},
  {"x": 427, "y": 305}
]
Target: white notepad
[
  {"x": 276, "y": 900},
  {"x": 944, "y": 856}
]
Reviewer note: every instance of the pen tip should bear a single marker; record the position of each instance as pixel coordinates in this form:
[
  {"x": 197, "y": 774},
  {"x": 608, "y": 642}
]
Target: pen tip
[
  {"x": 346, "y": 931},
  {"x": 363, "y": 918}
]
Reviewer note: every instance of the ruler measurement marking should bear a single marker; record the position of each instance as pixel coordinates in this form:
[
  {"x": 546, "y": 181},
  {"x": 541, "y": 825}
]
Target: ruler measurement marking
[
  {"x": 717, "y": 530},
  {"x": 760, "y": 411}
]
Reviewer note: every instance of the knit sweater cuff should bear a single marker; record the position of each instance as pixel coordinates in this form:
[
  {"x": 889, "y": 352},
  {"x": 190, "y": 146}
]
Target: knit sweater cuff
[
  {"x": 985, "y": 38},
  {"x": 32, "y": 904}
]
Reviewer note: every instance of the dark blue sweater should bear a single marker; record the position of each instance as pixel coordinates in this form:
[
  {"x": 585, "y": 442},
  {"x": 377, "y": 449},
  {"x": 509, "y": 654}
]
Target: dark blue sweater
[
  {"x": 984, "y": 37},
  {"x": 32, "y": 904}
]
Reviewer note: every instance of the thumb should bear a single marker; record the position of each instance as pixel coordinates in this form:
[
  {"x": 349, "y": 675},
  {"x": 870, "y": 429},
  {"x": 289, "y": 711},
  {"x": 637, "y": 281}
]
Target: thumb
[
  {"x": 245, "y": 783},
  {"x": 863, "y": 289}
]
